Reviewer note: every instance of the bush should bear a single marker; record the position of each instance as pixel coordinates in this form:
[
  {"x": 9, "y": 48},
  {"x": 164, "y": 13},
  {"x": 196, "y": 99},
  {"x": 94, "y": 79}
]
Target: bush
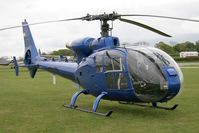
[{"x": 187, "y": 59}]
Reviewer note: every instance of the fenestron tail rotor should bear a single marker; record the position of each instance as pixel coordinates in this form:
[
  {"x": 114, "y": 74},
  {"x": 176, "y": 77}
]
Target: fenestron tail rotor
[{"x": 104, "y": 18}]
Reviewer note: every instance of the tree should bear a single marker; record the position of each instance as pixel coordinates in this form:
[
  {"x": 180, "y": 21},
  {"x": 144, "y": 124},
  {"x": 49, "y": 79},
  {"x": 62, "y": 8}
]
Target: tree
[
  {"x": 185, "y": 46},
  {"x": 65, "y": 52},
  {"x": 190, "y": 46},
  {"x": 166, "y": 48},
  {"x": 197, "y": 46},
  {"x": 180, "y": 47}
]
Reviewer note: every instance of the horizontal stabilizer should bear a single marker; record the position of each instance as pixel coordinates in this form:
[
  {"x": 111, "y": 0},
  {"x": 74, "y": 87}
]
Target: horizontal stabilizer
[{"x": 16, "y": 66}]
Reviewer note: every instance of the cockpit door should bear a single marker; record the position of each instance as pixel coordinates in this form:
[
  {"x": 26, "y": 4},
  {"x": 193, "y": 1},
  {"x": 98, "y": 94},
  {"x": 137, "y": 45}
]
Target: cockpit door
[{"x": 113, "y": 64}]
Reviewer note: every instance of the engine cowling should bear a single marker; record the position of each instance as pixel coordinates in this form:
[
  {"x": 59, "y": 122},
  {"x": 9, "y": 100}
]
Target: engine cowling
[{"x": 86, "y": 46}]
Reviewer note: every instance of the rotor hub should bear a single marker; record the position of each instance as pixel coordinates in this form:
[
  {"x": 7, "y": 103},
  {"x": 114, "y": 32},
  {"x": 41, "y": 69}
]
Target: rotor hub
[{"x": 104, "y": 18}]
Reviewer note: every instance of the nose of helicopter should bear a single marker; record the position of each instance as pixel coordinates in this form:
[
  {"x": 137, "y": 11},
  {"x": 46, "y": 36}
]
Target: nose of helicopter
[{"x": 154, "y": 74}]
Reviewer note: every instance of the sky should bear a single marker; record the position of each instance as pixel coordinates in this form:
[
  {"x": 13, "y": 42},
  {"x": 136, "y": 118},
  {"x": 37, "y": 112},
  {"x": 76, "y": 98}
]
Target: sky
[{"x": 54, "y": 36}]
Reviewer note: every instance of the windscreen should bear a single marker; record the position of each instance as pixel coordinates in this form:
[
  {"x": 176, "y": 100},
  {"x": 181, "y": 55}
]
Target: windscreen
[{"x": 147, "y": 78}]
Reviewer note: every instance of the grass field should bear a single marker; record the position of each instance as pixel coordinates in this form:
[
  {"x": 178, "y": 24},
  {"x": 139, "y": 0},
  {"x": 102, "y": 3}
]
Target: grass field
[{"x": 35, "y": 106}]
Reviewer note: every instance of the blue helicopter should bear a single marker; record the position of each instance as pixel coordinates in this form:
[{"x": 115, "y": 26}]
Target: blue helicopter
[{"x": 131, "y": 75}]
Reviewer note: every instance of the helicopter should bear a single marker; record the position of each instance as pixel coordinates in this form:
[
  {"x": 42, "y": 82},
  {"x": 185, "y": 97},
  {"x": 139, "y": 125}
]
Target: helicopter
[{"x": 131, "y": 75}]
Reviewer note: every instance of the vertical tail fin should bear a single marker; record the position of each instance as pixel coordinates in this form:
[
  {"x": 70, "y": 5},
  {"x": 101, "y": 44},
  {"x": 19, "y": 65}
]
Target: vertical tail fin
[{"x": 31, "y": 53}]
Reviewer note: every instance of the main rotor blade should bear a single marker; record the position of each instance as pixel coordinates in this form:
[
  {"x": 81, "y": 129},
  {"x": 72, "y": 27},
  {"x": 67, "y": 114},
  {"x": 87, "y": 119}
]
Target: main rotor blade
[
  {"x": 44, "y": 22},
  {"x": 158, "y": 16},
  {"x": 145, "y": 27}
]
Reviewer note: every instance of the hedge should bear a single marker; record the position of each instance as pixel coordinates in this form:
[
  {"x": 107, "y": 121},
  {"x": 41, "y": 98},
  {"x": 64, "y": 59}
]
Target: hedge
[{"x": 187, "y": 59}]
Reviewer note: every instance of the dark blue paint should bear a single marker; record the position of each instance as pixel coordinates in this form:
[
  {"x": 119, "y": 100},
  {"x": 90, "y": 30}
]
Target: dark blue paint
[{"x": 173, "y": 83}]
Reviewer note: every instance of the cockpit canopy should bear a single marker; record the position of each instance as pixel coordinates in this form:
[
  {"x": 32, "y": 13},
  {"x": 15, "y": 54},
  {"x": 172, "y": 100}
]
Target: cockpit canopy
[{"x": 138, "y": 68}]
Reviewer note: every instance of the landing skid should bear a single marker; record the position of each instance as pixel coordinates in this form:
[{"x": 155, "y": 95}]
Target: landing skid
[
  {"x": 95, "y": 104},
  {"x": 166, "y": 108},
  {"x": 88, "y": 111},
  {"x": 154, "y": 105}
]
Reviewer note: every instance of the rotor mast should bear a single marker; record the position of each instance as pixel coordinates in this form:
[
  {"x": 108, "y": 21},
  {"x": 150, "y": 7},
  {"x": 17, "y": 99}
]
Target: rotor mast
[{"x": 105, "y": 28}]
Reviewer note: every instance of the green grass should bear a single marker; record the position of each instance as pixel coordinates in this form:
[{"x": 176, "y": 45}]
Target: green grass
[{"x": 35, "y": 106}]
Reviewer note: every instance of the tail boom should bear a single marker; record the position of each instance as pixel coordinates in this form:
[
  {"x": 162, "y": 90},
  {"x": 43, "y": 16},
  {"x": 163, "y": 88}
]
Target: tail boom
[
  {"x": 64, "y": 69},
  {"x": 33, "y": 61}
]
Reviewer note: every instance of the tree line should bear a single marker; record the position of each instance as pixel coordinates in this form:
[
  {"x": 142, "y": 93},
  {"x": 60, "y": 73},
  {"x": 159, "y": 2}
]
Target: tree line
[
  {"x": 64, "y": 52},
  {"x": 177, "y": 48},
  {"x": 172, "y": 50}
]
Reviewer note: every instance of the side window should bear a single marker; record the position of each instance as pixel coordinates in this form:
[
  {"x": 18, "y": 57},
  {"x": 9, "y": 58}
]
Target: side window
[
  {"x": 113, "y": 63},
  {"x": 116, "y": 80},
  {"x": 99, "y": 62},
  {"x": 114, "y": 70}
]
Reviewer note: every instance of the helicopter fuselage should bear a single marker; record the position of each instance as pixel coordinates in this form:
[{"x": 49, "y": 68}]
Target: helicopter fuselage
[{"x": 108, "y": 71}]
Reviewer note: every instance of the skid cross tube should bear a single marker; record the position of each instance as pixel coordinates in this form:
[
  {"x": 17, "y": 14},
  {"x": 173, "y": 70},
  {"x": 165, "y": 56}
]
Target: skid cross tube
[
  {"x": 97, "y": 100},
  {"x": 95, "y": 104},
  {"x": 74, "y": 97}
]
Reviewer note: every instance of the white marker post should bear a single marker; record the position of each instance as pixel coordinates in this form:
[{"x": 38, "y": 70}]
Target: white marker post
[{"x": 54, "y": 79}]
